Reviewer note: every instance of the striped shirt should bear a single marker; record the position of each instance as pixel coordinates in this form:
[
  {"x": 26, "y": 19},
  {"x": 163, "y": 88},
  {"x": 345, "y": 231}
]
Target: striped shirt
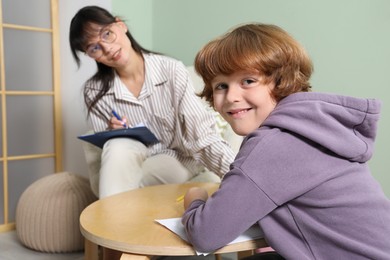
[{"x": 168, "y": 106}]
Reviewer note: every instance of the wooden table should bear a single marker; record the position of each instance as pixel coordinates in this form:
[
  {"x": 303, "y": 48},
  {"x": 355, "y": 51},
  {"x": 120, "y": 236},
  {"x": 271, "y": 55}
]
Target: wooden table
[{"x": 126, "y": 222}]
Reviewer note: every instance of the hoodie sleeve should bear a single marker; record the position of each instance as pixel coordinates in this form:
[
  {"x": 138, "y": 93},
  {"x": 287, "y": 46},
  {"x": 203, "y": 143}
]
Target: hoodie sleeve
[{"x": 230, "y": 211}]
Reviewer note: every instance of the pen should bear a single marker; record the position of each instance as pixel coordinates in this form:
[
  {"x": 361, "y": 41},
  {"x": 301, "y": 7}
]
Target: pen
[{"x": 118, "y": 117}]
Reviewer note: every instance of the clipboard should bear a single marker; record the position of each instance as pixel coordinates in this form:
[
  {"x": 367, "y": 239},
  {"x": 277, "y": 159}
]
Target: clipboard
[{"x": 141, "y": 133}]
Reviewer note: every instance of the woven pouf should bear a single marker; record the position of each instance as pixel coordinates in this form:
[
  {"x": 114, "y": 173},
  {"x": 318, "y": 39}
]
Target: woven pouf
[{"x": 48, "y": 211}]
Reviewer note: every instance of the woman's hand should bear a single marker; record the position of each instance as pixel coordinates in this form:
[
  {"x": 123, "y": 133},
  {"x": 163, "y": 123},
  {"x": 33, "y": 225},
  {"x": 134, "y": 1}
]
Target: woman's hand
[
  {"x": 194, "y": 193},
  {"x": 115, "y": 123}
]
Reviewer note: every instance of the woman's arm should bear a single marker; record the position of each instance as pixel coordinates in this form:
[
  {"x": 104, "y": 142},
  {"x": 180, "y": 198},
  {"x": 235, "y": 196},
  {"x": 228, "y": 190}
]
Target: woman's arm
[{"x": 197, "y": 125}]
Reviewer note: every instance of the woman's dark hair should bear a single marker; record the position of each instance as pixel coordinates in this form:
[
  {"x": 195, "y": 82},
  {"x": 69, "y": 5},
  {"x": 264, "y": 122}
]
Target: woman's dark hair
[{"x": 80, "y": 31}]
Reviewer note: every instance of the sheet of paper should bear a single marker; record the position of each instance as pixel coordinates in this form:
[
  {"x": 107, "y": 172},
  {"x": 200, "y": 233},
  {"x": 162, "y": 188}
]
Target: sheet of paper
[{"x": 175, "y": 225}]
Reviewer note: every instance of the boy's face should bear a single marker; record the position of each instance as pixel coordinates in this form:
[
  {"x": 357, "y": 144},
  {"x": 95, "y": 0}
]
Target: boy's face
[{"x": 243, "y": 100}]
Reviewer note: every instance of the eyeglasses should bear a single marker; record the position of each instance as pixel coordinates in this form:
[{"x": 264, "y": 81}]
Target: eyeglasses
[{"x": 95, "y": 50}]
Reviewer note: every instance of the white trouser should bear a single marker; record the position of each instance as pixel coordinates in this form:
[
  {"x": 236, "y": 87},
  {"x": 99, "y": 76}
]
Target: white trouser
[{"x": 126, "y": 166}]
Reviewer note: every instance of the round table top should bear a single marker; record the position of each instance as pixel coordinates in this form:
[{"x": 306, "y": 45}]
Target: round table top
[{"x": 126, "y": 221}]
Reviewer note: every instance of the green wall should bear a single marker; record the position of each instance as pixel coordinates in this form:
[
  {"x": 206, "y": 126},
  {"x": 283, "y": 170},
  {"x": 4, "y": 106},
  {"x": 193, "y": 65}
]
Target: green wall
[
  {"x": 138, "y": 16},
  {"x": 348, "y": 41}
]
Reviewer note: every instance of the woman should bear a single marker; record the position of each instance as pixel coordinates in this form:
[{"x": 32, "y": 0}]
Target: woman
[{"x": 147, "y": 88}]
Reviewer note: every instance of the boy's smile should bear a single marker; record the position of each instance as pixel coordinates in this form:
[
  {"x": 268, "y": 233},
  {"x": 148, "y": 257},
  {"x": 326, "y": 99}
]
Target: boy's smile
[
  {"x": 243, "y": 100},
  {"x": 236, "y": 113}
]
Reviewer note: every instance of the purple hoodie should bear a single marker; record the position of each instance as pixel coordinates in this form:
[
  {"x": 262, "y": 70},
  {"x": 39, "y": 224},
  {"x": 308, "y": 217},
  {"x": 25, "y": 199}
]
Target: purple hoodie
[{"x": 303, "y": 177}]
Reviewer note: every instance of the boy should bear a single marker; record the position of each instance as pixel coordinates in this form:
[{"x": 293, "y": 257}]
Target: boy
[{"x": 301, "y": 173}]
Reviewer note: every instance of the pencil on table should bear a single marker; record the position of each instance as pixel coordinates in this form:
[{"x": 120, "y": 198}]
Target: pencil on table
[{"x": 180, "y": 198}]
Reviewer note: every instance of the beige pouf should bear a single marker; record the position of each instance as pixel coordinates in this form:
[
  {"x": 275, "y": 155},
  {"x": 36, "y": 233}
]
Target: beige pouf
[{"x": 48, "y": 211}]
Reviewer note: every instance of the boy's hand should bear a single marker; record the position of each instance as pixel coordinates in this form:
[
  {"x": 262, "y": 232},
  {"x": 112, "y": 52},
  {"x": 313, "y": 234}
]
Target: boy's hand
[{"x": 194, "y": 193}]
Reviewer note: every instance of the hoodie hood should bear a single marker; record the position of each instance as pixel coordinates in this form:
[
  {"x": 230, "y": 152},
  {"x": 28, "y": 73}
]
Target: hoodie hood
[{"x": 346, "y": 126}]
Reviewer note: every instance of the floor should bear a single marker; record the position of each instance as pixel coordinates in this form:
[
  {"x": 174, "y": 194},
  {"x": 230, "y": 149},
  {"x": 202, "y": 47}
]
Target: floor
[{"x": 11, "y": 249}]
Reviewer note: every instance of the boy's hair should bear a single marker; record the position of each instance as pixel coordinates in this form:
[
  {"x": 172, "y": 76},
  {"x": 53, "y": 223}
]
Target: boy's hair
[{"x": 266, "y": 49}]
